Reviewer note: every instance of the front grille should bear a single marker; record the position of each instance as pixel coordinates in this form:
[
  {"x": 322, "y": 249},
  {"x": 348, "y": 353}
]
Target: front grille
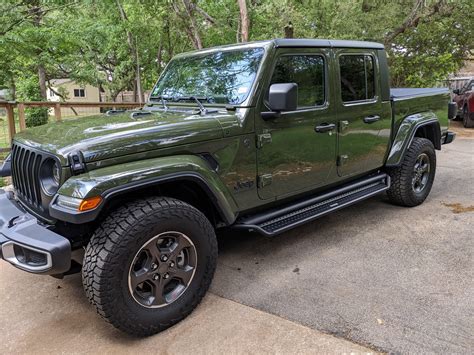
[{"x": 26, "y": 165}]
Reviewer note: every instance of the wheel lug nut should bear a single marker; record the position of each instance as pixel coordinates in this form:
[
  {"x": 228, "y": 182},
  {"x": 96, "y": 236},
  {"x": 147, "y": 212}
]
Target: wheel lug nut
[
  {"x": 155, "y": 277},
  {"x": 166, "y": 276},
  {"x": 154, "y": 266},
  {"x": 172, "y": 264},
  {"x": 164, "y": 258}
]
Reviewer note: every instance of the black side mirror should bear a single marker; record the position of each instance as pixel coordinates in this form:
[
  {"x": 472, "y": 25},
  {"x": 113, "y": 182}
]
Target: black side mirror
[
  {"x": 456, "y": 91},
  {"x": 282, "y": 97}
]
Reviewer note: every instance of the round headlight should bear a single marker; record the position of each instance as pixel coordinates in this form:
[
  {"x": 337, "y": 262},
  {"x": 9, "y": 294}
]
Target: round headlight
[{"x": 50, "y": 176}]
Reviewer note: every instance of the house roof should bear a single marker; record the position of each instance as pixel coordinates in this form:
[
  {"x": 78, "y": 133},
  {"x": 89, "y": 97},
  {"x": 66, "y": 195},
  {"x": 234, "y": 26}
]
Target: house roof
[{"x": 61, "y": 81}]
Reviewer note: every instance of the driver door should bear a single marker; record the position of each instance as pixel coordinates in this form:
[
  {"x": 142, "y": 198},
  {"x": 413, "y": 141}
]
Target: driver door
[{"x": 297, "y": 150}]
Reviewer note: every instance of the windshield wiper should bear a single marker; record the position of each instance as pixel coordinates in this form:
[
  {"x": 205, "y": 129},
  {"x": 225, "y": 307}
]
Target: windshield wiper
[
  {"x": 162, "y": 98},
  {"x": 203, "y": 110}
]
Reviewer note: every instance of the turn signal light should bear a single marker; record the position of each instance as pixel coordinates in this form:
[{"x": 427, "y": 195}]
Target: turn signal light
[{"x": 90, "y": 203}]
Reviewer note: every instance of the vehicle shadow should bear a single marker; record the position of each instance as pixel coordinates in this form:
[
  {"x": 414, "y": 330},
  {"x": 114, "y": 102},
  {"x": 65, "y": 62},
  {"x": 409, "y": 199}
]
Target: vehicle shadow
[{"x": 235, "y": 240}]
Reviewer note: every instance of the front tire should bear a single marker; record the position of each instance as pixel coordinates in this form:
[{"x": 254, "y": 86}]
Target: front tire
[
  {"x": 411, "y": 182},
  {"x": 149, "y": 264}
]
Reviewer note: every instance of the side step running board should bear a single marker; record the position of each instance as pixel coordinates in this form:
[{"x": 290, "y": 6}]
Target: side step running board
[{"x": 282, "y": 219}]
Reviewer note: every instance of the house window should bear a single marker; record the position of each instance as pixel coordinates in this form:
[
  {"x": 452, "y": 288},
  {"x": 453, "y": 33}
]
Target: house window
[
  {"x": 305, "y": 70},
  {"x": 79, "y": 93},
  {"x": 357, "y": 77}
]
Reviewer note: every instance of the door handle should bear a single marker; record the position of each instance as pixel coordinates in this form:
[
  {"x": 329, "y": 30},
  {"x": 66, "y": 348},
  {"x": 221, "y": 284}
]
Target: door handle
[
  {"x": 325, "y": 127},
  {"x": 371, "y": 119}
]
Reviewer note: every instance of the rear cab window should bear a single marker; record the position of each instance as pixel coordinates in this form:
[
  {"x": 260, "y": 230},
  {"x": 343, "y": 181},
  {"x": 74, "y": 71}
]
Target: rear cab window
[{"x": 357, "y": 73}]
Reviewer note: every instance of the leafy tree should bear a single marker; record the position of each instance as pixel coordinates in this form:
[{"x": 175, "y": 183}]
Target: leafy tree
[{"x": 121, "y": 45}]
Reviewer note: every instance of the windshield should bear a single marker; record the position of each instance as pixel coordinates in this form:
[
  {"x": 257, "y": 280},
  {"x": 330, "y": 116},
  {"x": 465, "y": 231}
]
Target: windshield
[{"x": 223, "y": 77}]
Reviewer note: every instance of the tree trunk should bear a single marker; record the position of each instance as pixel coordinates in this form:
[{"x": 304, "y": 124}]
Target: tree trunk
[
  {"x": 42, "y": 81},
  {"x": 189, "y": 20},
  {"x": 159, "y": 56},
  {"x": 113, "y": 95},
  {"x": 289, "y": 31},
  {"x": 37, "y": 15},
  {"x": 134, "y": 91},
  {"x": 139, "y": 79},
  {"x": 12, "y": 89},
  {"x": 168, "y": 38},
  {"x": 133, "y": 51},
  {"x": 244, "y": 20}
]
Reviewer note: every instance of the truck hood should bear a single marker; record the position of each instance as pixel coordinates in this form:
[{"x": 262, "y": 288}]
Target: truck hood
[{"x": 102, "y": 137}]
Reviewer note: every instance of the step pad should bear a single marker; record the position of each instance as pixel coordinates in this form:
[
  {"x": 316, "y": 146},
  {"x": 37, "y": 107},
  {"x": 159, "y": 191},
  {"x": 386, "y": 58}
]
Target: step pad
[{"x": 278, "y": 224}]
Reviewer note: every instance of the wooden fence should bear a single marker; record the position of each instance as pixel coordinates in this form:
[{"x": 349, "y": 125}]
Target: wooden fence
[{"x": 12, "y": 106}]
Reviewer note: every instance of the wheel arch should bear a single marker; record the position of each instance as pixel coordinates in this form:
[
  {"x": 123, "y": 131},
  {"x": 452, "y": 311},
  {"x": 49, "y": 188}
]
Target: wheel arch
[
  {"x": 189, "y": 188},
  {"x": 186, "y": 177},
  {"x": 423, "y": 125}
]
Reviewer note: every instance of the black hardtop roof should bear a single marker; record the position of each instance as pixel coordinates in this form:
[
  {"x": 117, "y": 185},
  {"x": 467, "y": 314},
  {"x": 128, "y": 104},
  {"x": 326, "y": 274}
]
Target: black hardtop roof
[
  {"x": 297, "y": 42},
  {"x": 289, "y": 43}
]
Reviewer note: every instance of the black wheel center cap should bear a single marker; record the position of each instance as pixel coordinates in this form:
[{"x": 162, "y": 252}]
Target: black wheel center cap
[{"x": 163, "y": 268}]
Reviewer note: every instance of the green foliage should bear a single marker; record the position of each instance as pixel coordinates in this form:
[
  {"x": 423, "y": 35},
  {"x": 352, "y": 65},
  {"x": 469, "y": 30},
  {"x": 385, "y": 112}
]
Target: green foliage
[
  {"x": 36, "y": 116},
  {"x": 93, "y": 42},
  {"x": 2, "y": 182},
  {"x": 28, "y": 90}
]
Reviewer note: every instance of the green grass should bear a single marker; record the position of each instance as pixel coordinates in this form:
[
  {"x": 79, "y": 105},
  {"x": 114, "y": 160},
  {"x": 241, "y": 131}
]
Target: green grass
[{"x": 2, "y": 182}]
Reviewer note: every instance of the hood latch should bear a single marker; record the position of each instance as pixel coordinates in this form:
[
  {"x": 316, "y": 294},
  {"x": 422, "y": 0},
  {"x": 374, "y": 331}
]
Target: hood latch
[{"x": 76, "y": 160}]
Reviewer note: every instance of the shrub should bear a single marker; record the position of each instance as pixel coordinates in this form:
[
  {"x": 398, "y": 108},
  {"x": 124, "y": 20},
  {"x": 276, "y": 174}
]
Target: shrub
[
  {"x": 28, "y": 90},
  {"x": 36, "y": 116}
]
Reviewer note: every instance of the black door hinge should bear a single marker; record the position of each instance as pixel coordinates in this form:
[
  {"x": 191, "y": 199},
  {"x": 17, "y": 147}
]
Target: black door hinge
[
  {"x": 264, "y": 180},
  {"x": 263, "y": 139},
  {"x": 342, "y": 159}
]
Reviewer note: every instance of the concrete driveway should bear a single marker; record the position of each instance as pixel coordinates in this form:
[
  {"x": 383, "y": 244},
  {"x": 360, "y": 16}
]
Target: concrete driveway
[{"x": 388, "y": 278}]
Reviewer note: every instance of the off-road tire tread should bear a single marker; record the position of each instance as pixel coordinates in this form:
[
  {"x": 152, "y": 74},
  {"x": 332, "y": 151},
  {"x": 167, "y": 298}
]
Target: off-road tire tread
[
  {"x": 400, "y": 191},
  {"x": 101, "y": 259}
]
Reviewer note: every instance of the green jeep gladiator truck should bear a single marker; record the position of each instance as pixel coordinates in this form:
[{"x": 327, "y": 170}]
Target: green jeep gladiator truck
[{"x": 261, "y": 136}]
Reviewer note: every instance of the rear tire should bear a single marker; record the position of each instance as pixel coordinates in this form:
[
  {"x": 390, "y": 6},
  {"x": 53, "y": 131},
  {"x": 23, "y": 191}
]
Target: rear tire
[
  {"x": 149, "y": 264},
  {"x": 466, "y": 119},
  {"x": 411, "y": 182}
]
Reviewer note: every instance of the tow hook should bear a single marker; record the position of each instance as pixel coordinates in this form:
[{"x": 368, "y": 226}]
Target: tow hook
[{"x": 18, "y": 220}]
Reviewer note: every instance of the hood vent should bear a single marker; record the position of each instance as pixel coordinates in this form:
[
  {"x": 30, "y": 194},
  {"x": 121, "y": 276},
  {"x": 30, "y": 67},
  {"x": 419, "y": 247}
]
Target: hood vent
[
  {"x": 138, "y": 114},
  {"x": 114, "y": 112}
]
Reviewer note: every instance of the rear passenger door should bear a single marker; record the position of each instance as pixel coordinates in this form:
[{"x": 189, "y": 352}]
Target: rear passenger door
[{"x": 363, "y": 122}]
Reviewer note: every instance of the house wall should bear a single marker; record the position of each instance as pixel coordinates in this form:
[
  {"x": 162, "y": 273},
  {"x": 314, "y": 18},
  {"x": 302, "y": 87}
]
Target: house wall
[{"x": 91, "y": 95}]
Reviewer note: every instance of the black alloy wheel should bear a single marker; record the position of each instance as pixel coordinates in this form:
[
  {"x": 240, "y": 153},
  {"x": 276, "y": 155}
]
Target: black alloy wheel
[
  {"x": 162, "y": 269},
  {"x": 421, "y": 173}
]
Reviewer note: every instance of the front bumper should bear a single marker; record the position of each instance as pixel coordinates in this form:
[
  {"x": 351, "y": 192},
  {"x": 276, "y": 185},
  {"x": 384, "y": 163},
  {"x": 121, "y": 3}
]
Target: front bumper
[{"x": 28, "y": 245}]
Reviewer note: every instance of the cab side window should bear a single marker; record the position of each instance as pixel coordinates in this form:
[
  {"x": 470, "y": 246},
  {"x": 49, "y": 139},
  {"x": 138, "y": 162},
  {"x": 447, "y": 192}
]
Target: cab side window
[
  {"x": 308, "y": 72},
  {"x": 357, "y": 77}
]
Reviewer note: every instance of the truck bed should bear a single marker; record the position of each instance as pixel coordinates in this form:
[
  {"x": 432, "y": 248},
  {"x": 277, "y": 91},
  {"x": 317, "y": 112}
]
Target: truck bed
[
  {"x": 400, "y": 93},
  {"x": 409, "y": 101}
]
